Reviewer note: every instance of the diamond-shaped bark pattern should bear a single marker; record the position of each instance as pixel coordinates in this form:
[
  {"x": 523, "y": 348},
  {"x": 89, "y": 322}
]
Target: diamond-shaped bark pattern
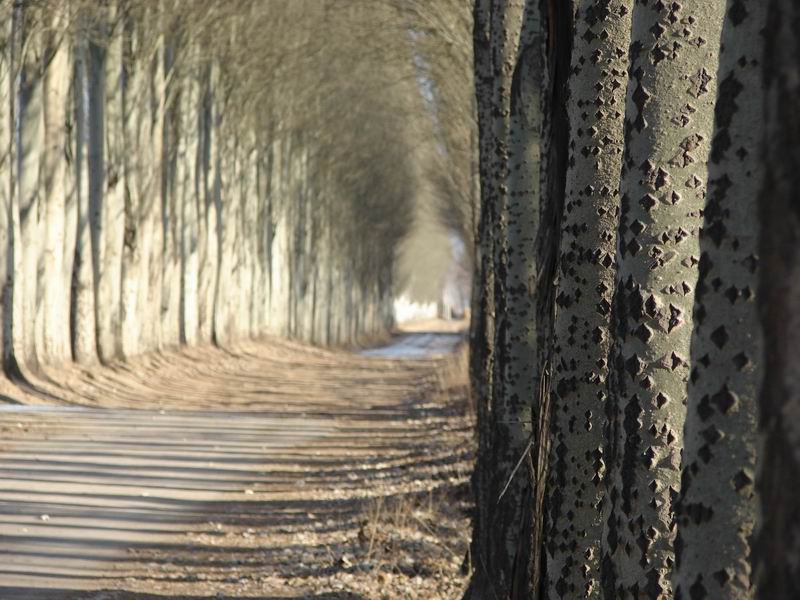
[
  {"x": 741, "y": 361},
  {"x": 647, "y": 202},
  {"x": 704, "y": 410},
  {"x": 634, "y": 247},
  {"x": 644, "y": 333},
  {"x": 720, "y": 336},
  {"x": 651, "y": 307},
  {"x": 711, "y": 434},
  {"x": 742, "y": 480},
  {"x": 722, "y": 577},
  {"x": 725, "y": 400},
  {"x": 698, "y": 590}
]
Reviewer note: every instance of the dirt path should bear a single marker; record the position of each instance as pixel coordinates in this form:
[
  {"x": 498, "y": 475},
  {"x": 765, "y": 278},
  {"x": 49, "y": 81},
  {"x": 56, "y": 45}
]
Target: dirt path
[{"x": 275, "y": 470}]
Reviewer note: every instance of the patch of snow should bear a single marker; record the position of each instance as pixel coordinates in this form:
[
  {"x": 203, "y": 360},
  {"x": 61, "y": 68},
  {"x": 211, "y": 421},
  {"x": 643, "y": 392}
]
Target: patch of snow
[
  {"x": 405, "y": 310},
  {"x": 417, "y": 345}
]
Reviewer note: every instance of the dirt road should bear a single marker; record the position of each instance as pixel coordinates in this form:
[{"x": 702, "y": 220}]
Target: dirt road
[{"x": 246, "y": 473}]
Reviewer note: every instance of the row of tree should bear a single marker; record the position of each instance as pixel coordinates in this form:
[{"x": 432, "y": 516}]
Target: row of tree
[
  {"x": 175, "y": 173},
  {"x": 639, "y": 165}
]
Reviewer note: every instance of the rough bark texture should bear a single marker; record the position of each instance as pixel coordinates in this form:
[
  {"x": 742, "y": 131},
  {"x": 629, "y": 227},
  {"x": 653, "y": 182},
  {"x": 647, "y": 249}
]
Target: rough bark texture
[
  {"x": 669, "y": 118},
  {"x": 587, "y": 264},
  {"x": 716, "y": 512},
  {"x": 505, "y": 418},
  {"x": 555, "y": 144},
  {"x": 776, "y": 552},
  {"x": 513, "y": 67},
  {"x": 516, "y": 377},
  {"x": 483, "y": 311}
]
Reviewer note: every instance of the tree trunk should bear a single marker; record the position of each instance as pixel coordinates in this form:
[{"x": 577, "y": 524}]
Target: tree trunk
[
  {"x": 137, "y": 182},
  {"x": 108, "y": 197},
  {"x": 82, "y": 304},
  {"x": 577, "y": 506},
  {"x": 6, "y": 180},
  {"x": 716, "y": 511},
  {"x": 188, "y": 167},
  {"x": 170, "y": 249},
  {"x": 209, "y": 258},
  {"x": 482, "y": 334},
  {"x": 225, "y": 291},
  {"x": 29, "y": 139},
  {"x": 669, "y": 123},
  {"x": 153, "y": 247},
  {"x": 776, "y": 552},
  {"x": 54, "y": 286}
]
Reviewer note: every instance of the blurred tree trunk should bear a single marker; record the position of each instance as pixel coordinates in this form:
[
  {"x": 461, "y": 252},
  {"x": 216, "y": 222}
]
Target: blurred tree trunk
[
  {"x": 52, "y": 310},
  {"x": 153, "y": 243},
  {"x": 7, "y": 187},
  {"x": 82, "y": 318},
  {"x": 777, "y": 546},
  {"x": 107, "y": 194},
  {"x": 188, "y": 193},
  {"x": 209, "y": 258},
  {"x": 170, "y": 210},
  {"x": 137, "y": 182},
  {"x": 28, "y": 238}
]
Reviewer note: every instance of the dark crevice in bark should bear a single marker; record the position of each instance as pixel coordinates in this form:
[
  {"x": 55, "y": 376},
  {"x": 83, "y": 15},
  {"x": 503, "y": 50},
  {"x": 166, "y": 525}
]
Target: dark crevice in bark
[{"x": 554, "y": 164}]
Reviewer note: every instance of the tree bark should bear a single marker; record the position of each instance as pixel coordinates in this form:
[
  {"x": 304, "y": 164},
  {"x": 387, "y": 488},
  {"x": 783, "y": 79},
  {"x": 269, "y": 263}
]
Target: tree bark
[
  {"x": 669, "y": 119},
  {"x": 776, "y": 552},
  {"x": 716, "y": 511},
  {"x": 483, "y": 310},
  {"x": 577, "y": 505}
]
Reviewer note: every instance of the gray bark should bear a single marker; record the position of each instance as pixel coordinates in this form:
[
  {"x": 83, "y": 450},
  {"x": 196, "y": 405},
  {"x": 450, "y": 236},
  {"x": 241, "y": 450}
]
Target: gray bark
[
  {"x": 577, "y": 505},
  {"x": 716, "y": 512},
  {"x": 776, "y": 552},
  {"x": 669, "y": 118}
]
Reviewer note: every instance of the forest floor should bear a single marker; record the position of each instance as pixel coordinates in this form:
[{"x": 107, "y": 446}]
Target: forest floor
[{"x": 270, "y": 470}]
